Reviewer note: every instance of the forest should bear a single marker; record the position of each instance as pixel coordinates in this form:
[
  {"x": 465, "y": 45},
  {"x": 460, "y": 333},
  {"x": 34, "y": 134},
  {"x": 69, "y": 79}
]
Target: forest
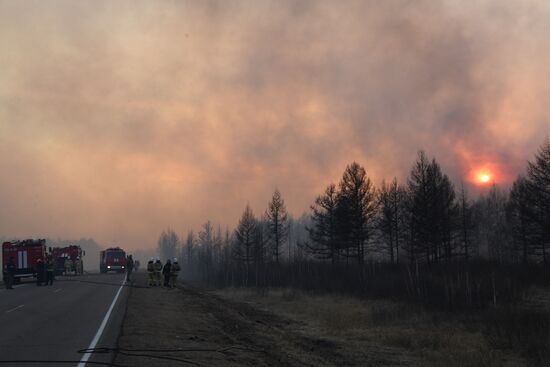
[
  {"x": 424, "y": 240},
  {"x": 424, "y": 243}
]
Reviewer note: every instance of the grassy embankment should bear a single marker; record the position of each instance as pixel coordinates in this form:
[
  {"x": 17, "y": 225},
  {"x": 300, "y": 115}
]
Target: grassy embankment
[{"x": 419, "y": 336}]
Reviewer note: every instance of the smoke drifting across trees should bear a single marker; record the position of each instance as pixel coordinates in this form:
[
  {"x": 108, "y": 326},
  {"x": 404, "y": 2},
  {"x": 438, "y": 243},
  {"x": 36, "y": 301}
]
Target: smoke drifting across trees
[
  {"x": 167, "y": 244},
  {"x": 422, "y": 239}
]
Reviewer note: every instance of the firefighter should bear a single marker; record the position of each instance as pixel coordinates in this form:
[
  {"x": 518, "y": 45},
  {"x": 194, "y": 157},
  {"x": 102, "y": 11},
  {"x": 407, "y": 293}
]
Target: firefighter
[
  {"x": 49, "y": 269},
  {"x": 68, "y": 266},
  {"x": 39, "y": 272},
  {"x": 167, "y": 272},
  {"x": 158, "y": 271},
  {"x": 151, "y": 272},
  {"x": 129, "y": 267},
  {"x": 174, "y": 273},
  {"x": 9, "y": 274}
]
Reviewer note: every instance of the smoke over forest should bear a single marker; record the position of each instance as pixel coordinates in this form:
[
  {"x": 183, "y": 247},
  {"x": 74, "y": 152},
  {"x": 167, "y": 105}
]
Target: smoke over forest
[{"x": 119, "y": 119}]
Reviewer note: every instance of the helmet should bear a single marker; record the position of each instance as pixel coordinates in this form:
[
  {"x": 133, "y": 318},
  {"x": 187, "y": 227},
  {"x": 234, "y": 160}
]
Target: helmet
[
  {"x": 158, "y": 258},
  {"x": 152, "y": 259},
  {"x": 175, "y": 259}
]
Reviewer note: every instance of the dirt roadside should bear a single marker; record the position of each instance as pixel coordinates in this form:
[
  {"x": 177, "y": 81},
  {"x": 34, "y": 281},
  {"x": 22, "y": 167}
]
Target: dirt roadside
[{"x": 211, "y": 331}]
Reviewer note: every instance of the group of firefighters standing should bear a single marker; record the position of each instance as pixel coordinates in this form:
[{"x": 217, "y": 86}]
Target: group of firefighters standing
[
  {"x": 157, "y": 271},
  {"x": 73, "y": 266},
  {"x": 45, "y": 271}
]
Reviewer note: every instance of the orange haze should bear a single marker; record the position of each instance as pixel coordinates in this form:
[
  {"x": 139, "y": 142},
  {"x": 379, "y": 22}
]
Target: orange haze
[{"x": 121, "y": 118}]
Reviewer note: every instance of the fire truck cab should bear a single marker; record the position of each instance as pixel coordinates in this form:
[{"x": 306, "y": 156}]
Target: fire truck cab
[
  {"x": 112, "y": 259},
  {"x": 25, "y": 255}
]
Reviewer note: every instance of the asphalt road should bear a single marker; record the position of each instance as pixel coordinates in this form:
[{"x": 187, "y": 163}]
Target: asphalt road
[{"x": 51, "y": 323}]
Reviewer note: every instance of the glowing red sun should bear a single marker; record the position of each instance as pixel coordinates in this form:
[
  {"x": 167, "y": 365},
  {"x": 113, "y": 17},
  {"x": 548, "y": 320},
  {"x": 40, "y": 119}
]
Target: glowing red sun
[{"x": 482, "y": 176}]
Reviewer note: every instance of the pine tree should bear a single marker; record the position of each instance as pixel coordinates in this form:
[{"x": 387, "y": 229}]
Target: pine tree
[
  {"x": 432, "y": 212},
  {"x": 245, "y": 240},
  {"x": 390, "y": 222},
  {"x": 538, "y": 183},
  {"x": 206, "y": 249},
  {"x": 190, "y": 243},
  {"x": 323, "y": 231},
  {"x": 277, "y": 227},
  {"x": 356, "y": 211},
  {"x": 519, "y": 218}
]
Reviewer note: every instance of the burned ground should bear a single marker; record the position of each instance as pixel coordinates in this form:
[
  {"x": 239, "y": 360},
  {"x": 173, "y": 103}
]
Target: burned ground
[
  {"x": 220, "y": 332},
  {"x": 235, "y": 327}
]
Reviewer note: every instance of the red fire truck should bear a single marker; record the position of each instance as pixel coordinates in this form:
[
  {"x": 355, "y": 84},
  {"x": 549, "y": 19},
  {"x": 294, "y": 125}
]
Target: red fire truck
[
  {"x": 25, "y": 255},
  {"x": 61, "y": 254},
  {"x": 112, "y": 259}
]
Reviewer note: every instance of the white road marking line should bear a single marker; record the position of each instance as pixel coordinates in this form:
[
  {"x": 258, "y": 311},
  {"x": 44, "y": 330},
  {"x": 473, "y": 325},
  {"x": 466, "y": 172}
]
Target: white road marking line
[
  {"x": 57, "y": 290},
  {"x": 16, "y": 308},
  {"x": 92, "y": 345}
]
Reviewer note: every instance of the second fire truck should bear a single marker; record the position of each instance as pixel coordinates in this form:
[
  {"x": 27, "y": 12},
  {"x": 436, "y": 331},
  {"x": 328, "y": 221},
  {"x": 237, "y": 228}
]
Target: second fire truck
[
  {"x": 73, "y": 253},
  {"x": 112, "y": 259}
]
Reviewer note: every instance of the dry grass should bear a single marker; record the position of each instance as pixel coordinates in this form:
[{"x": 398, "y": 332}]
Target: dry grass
[{"x": 380, "y": 331}]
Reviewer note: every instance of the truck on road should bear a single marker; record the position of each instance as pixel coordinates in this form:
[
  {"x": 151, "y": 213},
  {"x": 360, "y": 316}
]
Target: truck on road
[
  {"x": 25, "y": 255},
  {"x": 112, "y": 259}
]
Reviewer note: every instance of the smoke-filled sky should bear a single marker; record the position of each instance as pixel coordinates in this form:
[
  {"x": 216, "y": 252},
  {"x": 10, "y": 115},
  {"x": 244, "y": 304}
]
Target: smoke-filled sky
[{"x": 121, "y": 118}]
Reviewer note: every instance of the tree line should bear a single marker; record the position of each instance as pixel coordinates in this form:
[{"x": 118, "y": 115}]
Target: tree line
[{"x": 425, "y": 222}]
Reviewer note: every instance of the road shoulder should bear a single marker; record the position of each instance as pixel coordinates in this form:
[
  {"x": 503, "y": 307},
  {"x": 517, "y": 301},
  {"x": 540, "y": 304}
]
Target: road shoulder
[{"x": 199, "y": 328}]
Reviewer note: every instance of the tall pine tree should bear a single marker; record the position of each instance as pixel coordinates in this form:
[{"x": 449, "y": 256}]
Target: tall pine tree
[
  {"x": 277, "y": 227},
  {"x": 245, "y": 241},
  {"x": 390, "y": 222},
  {"x": 432, "y": 212},
  {"x": 356, "y": 211},
  {"x": 538, "y": 183},
  {"x": 323, "y": 231}
]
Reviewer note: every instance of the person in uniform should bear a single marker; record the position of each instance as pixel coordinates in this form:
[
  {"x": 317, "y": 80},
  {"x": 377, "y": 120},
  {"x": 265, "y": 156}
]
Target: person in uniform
[
  {"x": 167, "y": 272},
  {"x": 68, "y": 266},
  {"x": 158, "y": 271},
  {"x": 39, "y": 272},
  {"x": 49, "y": 269},
  {"x": 9, "y": 275},
  {"x": 151, "y": 272},
  {"x": 174, "y": 273},
  {"x": 129, "y": 267}
]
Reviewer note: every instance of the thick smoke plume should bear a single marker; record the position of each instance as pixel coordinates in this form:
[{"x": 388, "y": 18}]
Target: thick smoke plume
[{"x": 118, "y": 119}]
